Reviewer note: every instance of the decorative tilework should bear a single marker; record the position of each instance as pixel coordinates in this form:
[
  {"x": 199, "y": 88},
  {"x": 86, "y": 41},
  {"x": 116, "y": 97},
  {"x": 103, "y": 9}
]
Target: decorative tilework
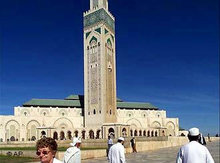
[
  {"x": 87, "y": 34},
  {"x": 109, "y": 42},
  {"x": 99, "y": 16},
  {"x": 113, "y": 38},
  {"x": 106, "y": 31},
  {"x": 98, "y": 30},
  {"x": 93, "y": 38}
]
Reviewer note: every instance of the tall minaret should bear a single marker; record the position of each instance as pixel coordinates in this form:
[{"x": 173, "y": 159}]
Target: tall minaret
[{"x": 99, "y": 65}]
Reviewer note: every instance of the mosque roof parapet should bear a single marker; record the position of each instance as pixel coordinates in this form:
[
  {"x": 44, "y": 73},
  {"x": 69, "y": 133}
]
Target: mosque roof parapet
[{"x": 95, "y": 9}]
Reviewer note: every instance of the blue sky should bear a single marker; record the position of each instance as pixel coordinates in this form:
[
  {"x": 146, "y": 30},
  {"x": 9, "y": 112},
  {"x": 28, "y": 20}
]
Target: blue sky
[{"x": 167, "y": 54}]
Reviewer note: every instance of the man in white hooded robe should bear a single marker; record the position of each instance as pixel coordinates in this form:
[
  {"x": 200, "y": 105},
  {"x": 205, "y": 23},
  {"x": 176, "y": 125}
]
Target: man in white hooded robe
[
  {"x": 117, "y": 152},
  {"x": 73, "y": 154},
  {"x": 194, "y": 152}
]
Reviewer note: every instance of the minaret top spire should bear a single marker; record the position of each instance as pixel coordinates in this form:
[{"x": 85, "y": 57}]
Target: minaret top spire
[{"x": 98, "y": 4}]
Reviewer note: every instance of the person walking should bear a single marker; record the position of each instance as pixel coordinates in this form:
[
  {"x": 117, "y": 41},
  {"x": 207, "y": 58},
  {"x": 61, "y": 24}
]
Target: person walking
[
  {"x": 133, "y": 144},
  {"x": 46, "y": 150},
  {"x": 110, "y": 143},
  {"x": 117, "y": 152},
  {"x": 73, "y": 154},
  {"x": 209, "y": 139},
  {"x": 202, "y": 139},
  {"x": 194, "y": 152}
]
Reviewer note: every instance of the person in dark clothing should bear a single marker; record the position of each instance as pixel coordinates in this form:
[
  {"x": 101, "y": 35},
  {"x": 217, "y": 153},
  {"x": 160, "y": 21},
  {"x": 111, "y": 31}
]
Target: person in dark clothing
[
  {"x": 133, "y": 144},
  {"x": 202, "y": 139}
]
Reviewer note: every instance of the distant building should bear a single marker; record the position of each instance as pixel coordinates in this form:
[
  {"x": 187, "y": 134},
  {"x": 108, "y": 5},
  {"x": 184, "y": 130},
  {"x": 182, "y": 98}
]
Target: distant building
[{"x": 98, "y": 113}]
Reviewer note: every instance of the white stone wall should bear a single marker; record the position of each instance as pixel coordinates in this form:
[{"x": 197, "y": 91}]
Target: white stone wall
[
  {"x": 31, "y": 121},
  {"x": 148, "y": 120}
]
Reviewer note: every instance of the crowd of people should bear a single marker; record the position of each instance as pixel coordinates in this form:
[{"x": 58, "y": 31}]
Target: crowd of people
[{"x": 193, "y": 152}]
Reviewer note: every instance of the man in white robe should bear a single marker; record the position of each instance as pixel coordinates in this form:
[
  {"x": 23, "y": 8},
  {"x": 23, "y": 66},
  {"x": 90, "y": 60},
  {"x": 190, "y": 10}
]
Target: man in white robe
[
  {"x": 73, "y": 154},
  {"x": 194, "y": 152},
  {"x": 117, "y": 152}
]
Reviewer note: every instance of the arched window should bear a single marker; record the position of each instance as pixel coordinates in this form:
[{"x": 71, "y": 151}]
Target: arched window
[
  {"x": 94, "y": 112},
  {"x": 156, "y": 133}
]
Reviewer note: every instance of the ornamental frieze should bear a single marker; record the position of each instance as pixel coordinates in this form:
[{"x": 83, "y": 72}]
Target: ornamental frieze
[{"x": 98, "y": 16}]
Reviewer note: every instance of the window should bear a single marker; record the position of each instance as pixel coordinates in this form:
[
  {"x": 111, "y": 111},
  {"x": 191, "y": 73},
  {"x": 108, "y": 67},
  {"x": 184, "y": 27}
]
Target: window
[{"x": 94, "y": 112}]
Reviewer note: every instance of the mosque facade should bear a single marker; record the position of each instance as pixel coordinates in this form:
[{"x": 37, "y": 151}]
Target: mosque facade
[{"x": 98, "y": 113}]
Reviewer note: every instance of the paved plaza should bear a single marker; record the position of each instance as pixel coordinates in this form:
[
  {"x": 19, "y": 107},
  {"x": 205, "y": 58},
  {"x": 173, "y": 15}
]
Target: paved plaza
[{"x": 166, "y": 155}]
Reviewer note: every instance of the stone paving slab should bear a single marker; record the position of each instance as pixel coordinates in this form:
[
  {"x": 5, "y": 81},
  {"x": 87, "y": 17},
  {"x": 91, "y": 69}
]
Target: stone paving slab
[{"x": 165, "y": 155}]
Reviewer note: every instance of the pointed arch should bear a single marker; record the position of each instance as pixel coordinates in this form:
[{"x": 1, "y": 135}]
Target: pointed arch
[
  {"x": 135, "y": 122},
  {"x": 61, "y": 121},
  {"x": 155, "y": 124}
]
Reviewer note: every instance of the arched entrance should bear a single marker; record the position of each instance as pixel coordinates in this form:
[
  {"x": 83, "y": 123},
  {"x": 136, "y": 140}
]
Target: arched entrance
[
  {"x": 55, "y": 135},
  {"x": 152, "y": 133},
  {"x": 83, "y": 134},
  {"x": 140, "y": 133},
  {"x": 12, "y": 138},
  {"x": 76, "y": 133},
  {"x": 144, "y": 133},
  {"x": 135, "y": 132},
  {"x": 69, "y": 135},
  {"x": 91, "y": 134},
  {"x": 124, "y": 132},
  {"x": 148, "y": 133},
  {"x": 43, "y": 133},
  {"x": 33, "y": 138},
  {"x": 98, "y": 134},
  {"x": 62, "y": 135},
  {"x": 111, "y": 132},
  {"x": 131, "y": 132}
]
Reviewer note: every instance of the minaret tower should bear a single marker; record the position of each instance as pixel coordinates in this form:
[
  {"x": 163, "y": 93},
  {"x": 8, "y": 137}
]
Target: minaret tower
[{"x": 99, "y": 65}]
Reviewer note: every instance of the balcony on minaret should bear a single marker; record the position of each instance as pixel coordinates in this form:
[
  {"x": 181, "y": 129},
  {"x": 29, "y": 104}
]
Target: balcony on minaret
[{"x": 94, "y": 4}]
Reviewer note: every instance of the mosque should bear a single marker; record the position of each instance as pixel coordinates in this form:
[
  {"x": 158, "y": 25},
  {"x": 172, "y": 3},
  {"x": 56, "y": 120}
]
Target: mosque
[{"x": 98, "y": 113}]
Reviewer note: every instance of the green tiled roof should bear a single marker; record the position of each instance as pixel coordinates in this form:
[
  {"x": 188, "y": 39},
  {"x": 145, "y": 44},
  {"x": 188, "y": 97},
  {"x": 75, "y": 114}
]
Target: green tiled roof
[
  {"x": 119, "y": 100},
  {"x": 78, "y": 101},
  {"x": 72, "y": 97},
  {"x": 136, "y": 105},
  {"x": 54, "y": 103}
]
